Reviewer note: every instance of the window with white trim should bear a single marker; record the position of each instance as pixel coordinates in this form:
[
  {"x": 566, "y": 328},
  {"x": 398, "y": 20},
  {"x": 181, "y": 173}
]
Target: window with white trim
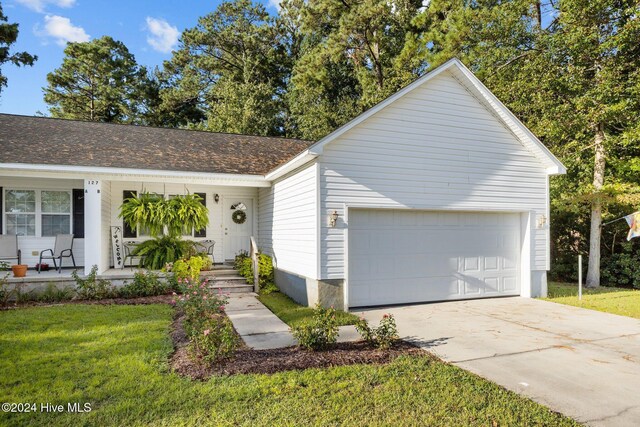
[
  {"x": 37, "y": 212},
  {"x": 55, "y": 209},
  {"x": 20, "y": 212}
]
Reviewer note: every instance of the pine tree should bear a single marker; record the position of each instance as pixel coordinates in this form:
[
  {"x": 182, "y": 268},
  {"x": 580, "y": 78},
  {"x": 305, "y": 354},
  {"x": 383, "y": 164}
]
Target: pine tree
[
  {"x": 100, "y": 81},
  {"x": 8, "y": 36}
]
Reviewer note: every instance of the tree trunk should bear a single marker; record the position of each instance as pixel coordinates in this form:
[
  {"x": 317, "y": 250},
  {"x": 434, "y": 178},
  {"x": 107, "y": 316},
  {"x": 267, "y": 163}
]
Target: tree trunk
[
  {"x": 537, "y": 7},
  {"x": 593, "y": 273}
]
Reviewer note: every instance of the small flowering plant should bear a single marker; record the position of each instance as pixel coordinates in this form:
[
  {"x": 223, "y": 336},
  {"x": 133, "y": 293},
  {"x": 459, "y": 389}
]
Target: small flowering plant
[
  {"x": 199, "y": 302},
  {"x": 320, "y": 332},
  {"x": 216, "y": 340},
  {"x": 381, "y": 337}
]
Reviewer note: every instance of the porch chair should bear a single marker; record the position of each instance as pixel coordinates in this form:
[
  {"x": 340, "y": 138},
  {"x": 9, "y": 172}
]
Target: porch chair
[
  {"x": 129, "y": 248},
  {"x": 9, "y": 248},
  {"x": 206, "y": 246},
  {"x": 63, "y": 248}
]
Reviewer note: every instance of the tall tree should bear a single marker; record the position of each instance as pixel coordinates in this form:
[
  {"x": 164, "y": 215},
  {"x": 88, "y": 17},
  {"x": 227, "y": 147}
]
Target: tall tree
[
  {"x": 8, "y": 36},
  {"x": 349, "y": 59},
  {"x": 230, "y": 67},
  {"x": 569, "y": 69},
  {"x": 98, "y": 80}
]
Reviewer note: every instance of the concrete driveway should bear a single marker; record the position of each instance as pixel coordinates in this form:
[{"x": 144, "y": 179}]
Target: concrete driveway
[{"x": 582, "y": 363}]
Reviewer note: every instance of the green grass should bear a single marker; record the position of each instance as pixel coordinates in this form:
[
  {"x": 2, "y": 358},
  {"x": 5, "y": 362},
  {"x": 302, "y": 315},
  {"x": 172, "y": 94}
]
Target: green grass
[
  {"x": 625, "y": 302},
  {"x": 294, "y": 314},
  {"x": 115, "y": 357}
]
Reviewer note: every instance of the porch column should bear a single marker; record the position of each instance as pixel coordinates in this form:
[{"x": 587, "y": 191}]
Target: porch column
[{"x": 93, "y": 236}]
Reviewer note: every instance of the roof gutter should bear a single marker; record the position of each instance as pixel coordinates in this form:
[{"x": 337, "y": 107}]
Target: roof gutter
[
  {"x": 299, "y": 160},
  {"x": 126, "y": 174}
]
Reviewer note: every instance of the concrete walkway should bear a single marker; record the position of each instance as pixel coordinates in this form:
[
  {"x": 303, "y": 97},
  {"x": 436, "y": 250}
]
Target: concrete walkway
[
  {"x": 581, "y": 363},
  {"x": 260, "y": 329}
]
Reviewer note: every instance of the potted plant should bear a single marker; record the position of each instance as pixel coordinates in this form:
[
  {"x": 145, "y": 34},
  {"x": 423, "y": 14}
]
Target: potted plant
[
  {"x": 19, "y": 270},
  {"x": 42, "y": 267}
]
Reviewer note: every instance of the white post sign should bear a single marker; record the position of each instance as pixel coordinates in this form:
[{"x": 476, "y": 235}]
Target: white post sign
[{"x": 117, "y": 247}]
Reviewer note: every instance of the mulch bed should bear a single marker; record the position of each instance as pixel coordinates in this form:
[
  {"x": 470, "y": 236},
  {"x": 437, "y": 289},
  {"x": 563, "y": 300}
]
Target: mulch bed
[
  {"x": 250, "y": 361},
  {"x": 158, "y": 299}
]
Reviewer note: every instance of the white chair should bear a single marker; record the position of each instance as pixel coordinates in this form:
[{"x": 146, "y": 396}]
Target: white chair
[
  {"x": 63, "y": 248},
  {"x": 9, "y": 248}
]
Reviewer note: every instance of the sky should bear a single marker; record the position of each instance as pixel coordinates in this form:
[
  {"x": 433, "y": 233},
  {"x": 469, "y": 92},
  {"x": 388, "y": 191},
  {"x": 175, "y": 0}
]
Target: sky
[{"x": 149, "y": 29}]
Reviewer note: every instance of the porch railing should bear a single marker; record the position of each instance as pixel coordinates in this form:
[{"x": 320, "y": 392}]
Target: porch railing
[{"x": 254, "y": 262}]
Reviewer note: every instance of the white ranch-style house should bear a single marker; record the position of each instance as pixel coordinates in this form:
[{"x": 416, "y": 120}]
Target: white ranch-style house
[{"x": 437, "y": 193}]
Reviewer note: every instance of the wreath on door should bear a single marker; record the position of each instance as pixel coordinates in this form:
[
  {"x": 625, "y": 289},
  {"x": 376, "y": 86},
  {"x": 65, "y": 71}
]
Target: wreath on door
[{"x": 239, "y": 217}]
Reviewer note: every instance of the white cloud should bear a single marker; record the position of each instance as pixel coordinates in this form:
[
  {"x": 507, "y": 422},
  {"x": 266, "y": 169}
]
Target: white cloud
[
  {"x": 275, "y": 4},
  {"x": 61, "y": 29},
  {"x": 163, "y": 36},
  {"x": 39, "y": 5}
]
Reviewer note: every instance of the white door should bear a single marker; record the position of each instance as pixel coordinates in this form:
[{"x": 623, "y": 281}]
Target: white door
[
  {"x": 404, "y": 256},
  {"x": 238, "y": 228}
]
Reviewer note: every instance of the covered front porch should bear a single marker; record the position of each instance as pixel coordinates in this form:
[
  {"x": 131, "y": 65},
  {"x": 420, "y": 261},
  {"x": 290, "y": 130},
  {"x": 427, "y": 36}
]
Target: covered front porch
[{"x": 89, "y": 206}]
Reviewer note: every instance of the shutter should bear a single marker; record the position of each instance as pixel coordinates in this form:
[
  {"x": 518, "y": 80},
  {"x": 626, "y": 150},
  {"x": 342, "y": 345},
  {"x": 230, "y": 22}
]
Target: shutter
[
  {"x": 77, "y": 210},
  {"x": 1, "y": 208},
  {"x": 126, "y": 230},
  {"x": 203, "y": 232}
]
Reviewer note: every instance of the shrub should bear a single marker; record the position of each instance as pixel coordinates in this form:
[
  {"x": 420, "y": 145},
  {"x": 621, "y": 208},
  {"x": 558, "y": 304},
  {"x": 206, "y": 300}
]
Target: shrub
[
  {"x": 622, "y": 269},
  {"x": 5, "y": 293},
  {"x": 157, "y": 253},
  {"x": 265, "y": 272},
  {"x": 381, "y": 337},
  {"x": 188, "y": 269},
  {"x": 215, "y": 339},
  {"x": 144, "y": 285},
  {"x": 318, "y": 333},
  {"x": 91, "y": 287},
  {"x": 207, "y": 261},
  {"x": 52, "y": 293},
  {"x": 238, "y": 262},
  {"x": 198, "y": 301}
]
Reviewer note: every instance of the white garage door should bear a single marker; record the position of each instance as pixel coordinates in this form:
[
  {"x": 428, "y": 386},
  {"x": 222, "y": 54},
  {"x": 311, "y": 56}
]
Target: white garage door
[{"x": 403, "y": 256}]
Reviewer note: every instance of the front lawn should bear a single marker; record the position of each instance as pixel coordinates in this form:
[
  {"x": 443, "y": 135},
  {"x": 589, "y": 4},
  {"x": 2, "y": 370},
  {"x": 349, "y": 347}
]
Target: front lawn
[
  {"x": 115, "y": 358},
  {"x": 292, "y": 313},
  {"x": 625, "y": 302}
]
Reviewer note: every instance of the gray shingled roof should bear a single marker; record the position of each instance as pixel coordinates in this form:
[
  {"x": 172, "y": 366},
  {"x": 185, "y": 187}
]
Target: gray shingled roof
[{"x": 40, "y": 140}]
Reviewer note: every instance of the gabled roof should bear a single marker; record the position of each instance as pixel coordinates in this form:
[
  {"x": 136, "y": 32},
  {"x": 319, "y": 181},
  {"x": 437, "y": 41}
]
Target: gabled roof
[
  {"x": 47, "y": 141},
  {"x": 461, "y": 73}
]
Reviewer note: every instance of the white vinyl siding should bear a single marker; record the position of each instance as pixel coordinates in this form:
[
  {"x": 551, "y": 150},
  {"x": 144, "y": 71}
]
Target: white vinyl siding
[
  {"x": 288, "y": 219},
  {"x": 438, "y": 148}
]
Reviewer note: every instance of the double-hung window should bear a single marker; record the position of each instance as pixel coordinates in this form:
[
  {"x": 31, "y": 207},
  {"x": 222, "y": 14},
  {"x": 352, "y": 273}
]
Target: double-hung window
[
  {"x": 55, "y": 207},
  {"x": 37, "y": 212},
  {"x": 20, "y": 211}
]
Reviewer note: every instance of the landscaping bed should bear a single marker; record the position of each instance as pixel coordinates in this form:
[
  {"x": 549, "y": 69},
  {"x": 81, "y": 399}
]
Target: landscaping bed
[
  {"x": 250, "y": 361},
  {"x": 157, "y": 299}
]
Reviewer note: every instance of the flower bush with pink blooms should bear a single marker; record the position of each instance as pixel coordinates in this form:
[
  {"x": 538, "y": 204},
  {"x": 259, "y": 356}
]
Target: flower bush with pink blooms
[
  {"x": 216, "y": 341},
  {"x": 381, "y": 337},
  {"x": 210, "y": 331}
]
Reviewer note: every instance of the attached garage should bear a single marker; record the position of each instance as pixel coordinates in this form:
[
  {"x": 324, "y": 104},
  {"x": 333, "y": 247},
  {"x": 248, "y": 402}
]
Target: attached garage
[
  {"x": 406, "y": 256},
  {"x": 437, "y": 193}
]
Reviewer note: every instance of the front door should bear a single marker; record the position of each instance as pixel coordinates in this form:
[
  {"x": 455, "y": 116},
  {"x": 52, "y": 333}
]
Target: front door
[{"x": 238, "y": 225}]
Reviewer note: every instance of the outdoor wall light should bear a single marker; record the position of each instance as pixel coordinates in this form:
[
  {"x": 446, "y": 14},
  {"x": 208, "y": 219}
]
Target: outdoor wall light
[
  {"x": 216, "y": 197},
  {"x": 333, "y": 218},
  {"x": 542, "y": 221}
]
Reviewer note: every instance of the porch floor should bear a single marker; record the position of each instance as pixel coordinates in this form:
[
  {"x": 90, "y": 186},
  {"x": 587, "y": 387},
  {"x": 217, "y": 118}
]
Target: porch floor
[{"x": 52, "y": 275}]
